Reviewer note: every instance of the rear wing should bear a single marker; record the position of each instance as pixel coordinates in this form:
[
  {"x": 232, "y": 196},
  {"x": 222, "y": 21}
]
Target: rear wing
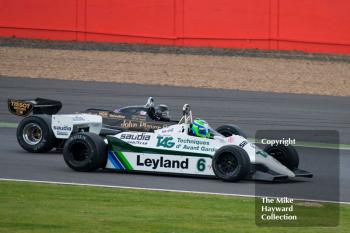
[{"x": 37, "y": 106}]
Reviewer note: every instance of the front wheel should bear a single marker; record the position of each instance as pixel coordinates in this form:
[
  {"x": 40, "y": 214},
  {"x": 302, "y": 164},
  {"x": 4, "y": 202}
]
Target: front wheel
[
  {"x": 231, "y": 163},
  {"x": 85, "y": 152}
]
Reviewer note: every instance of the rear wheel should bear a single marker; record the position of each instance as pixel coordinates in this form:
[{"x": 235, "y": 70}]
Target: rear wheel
[
  {"x": 85, "y": 152},
  {"x": 231, "y": 163},
  {"x": 34, "y": 134},
  {"x": 287, "y": 155},
  {"x": 229, "y": 130}
]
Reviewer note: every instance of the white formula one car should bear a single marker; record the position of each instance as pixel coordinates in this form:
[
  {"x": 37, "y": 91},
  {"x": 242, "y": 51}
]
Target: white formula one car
[{"x": 174, "y": 150}]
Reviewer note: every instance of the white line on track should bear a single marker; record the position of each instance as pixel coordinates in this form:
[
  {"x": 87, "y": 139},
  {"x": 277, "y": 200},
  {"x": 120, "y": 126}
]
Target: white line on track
[{"x": 159, "y": 190}]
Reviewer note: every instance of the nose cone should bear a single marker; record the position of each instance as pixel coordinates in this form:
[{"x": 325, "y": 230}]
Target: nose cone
[
  {"x": 278, "y": 167},
  {"x": 274, "y": 165}
]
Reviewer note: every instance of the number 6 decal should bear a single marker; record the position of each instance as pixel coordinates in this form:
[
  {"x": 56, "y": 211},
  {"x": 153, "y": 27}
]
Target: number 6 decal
[{"x": 201, "y": 165}]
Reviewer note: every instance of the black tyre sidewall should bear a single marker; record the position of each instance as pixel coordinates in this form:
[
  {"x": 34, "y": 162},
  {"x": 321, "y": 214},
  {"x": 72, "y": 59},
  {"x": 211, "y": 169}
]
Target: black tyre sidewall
[
  {"x": 290, "y": 155},
  {"x": 242, "y": 159},
  {"x": 48, "y": 138},
  {"x": 228, "y": 130},
  {"x": 97, "y": 152}
]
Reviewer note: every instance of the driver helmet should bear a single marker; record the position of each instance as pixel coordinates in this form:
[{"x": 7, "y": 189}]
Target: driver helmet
[
  {"x": 162, "y": 112},
  {"x": 200, "y": 128}
]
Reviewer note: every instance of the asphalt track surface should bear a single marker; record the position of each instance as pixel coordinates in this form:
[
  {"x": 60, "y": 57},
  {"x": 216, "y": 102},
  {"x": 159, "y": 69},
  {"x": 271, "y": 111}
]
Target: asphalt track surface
[{"x": 250, "y": 110}]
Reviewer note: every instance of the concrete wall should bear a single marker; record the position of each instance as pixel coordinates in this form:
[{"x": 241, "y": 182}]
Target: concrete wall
[{"x": 307, "y": 25}]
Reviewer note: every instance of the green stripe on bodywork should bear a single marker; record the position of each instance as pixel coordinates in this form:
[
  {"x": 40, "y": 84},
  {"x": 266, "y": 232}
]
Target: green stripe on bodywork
[
  {"x": 116, "y": 144},
  {"x": 124, "y": 160}
]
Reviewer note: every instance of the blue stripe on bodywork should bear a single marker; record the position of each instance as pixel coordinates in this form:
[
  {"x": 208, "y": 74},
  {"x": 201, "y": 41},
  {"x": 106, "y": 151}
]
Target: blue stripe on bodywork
[{"x": 116, "y": 163}]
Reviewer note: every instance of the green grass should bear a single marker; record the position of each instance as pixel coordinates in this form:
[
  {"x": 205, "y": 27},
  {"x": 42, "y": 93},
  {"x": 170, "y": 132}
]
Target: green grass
[{"x": 30, "y": 207}]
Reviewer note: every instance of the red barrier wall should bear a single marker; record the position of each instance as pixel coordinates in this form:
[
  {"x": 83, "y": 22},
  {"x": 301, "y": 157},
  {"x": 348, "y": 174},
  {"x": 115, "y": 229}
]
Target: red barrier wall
[{"x": 311, "y": 26}]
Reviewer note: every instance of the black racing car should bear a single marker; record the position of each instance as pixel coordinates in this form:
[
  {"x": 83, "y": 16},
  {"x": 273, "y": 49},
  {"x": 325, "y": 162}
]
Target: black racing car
[{"x": 34, "y": 132}]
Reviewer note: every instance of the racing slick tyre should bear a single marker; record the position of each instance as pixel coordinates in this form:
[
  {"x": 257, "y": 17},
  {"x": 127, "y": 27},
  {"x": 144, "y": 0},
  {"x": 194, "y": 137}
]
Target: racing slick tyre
[
  {"x": 231, "y": 163},
  {"x": 34, "y": 134},
  {"x": 85, "y": 152},
  {"x": 287, "y": 155},
  {"x": 229, "y": 130}
]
